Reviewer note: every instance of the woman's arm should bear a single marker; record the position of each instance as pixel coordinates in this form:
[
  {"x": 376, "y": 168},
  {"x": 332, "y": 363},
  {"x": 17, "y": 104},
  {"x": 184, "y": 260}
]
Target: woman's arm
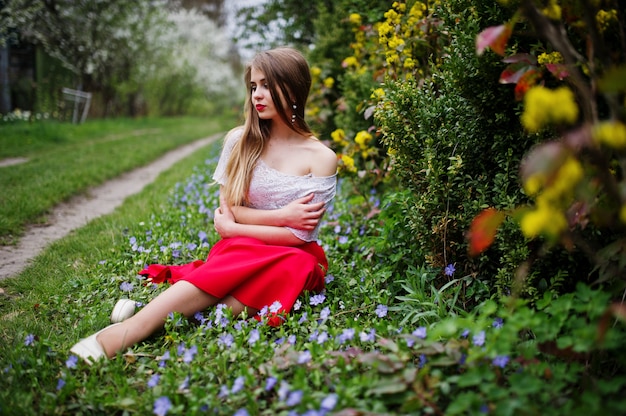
[
  {"x": 227, "y": 227},
  {"x": 299, "y": 214}
]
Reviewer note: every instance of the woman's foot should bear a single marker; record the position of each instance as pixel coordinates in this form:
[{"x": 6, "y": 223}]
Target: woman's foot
[
  {"x": 123, "y": 309},
  {"x": 89, "y": 349}
]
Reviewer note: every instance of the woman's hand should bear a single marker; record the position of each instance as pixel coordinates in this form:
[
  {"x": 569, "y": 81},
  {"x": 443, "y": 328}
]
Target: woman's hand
[
  {"x": 302, "y": 215},
  {"x": 224, "y": 220}
]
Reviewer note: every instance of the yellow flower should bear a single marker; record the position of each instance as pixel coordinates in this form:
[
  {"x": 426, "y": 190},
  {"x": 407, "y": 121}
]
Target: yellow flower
[
  {"x": 550, "y": 58},
  {"x": 348, "y": 163},
  {"x": 350, "y": 61},
  {"x": 605, "y": 18},
  {"x": 338, "y": 135},
  {"x": 544, "y": 219},
  {"x": 543, "y": 106},
  {"x": 553, "y": 10},
  {"x": 384, "y": 29},
  {"x": 355, "y": 19},
  {"x": 315, "y": 71},
  {"x": 363, "y": 138},
  {"x": 395, "y": 42},
  {"x": 378, "y": 94},
  {"x": 534, "y": 184},
  {"x": 329, "y": 82},
  {"x": 611, "y": 133},
  {"x": 401, "y": 7},
  {"x": 409, "y": 63}
]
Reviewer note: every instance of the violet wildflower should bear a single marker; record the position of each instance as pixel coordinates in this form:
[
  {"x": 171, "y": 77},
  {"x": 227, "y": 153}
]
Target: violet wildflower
[
  {"x": 126, "y": 287},
  {"x": 465, "y": 333},
  {"x": 60, "y": 384},
  {"x": 71, "y": 361},
  {"x": 422, "y": 361},
  {"x": 449, "y": 270},
  {"x": 368, "y": 337},
  {"x": 325, "y": 313},
  {"x": 164, "y": 358},
  {"x": 30, "y": 340},
  {"x": 497, "y": 323},
  {"x": 304, "y": 357},
  {"x": 381, "y": 311},
  {"x": 254, "y": 336},
  {"x": 343, "y": 239},
  {"x": 238, "y": 385},
  {"x": 329, "y": 278},
  {"x": 154, "y": 380},
  {"x": 294, "y": 398},
  {"x": 192, "y": 246},
  {"x": 303, "y": 318},
  {"x": 283, "y": 390},
  {"x": 225, "y": 340},
  {"x": 202, "y": 236},
  {"x": 329, "y": 402},
  {"x": 479, "y": 339},
  {"x": 224, "y": 391},
  {"x": 176, "y": 253},
  {"x": 162, "y": 405},
  {"x": 322, "y": 338},
  {"x": 420, "y": 332},
  {"x": 241, "y": 412},
  {"x": 270, "y": 383},
  {"x": 317, "y": 299},
  {"x": 297, "y": 305},
  {"x": 276, "y": 306},
  {"x": 346, "y": 335},
  {"x": 190, "y": 354},
  {"x": 500, "y": 361},
  {"x": 184, "y": 385},
  {"x": 291, "y": 339}
]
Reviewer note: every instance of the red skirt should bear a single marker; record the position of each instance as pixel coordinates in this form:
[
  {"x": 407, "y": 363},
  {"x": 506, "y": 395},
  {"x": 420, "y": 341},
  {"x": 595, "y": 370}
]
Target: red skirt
[{"x": 253, "y": 272}]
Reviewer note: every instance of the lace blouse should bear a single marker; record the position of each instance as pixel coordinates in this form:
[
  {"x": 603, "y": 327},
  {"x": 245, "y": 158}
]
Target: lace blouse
[{"x": 273, "y": 189}]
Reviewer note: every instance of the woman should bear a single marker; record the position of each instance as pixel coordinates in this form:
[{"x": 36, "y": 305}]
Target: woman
[{"x": 275, "y": 180}]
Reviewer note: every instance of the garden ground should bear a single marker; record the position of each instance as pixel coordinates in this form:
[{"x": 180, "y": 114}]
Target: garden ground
[{"x": 80, "y": 210}]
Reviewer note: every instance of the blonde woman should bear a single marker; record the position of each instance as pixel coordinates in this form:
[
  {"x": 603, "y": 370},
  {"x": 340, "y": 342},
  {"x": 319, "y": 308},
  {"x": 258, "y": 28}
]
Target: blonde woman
[{"x": 276, "y": 179}]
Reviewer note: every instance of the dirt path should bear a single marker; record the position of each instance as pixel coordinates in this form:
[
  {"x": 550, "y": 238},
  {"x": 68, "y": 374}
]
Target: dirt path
[{"x": 79, "y": 211}]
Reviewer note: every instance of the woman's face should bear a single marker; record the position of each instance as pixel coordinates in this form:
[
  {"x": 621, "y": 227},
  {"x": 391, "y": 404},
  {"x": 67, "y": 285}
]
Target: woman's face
[{"x": 261, "y": 96}]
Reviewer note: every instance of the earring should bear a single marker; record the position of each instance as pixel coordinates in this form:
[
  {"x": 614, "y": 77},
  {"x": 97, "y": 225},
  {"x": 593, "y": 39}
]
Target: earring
[{"x": 293, "y": 115}]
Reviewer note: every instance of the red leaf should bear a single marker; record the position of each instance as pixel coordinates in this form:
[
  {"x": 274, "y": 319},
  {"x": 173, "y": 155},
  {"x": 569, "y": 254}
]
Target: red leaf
[
  {"x": 526, "y": 81},
  {"x": 558, "y": 70},
  {"x": 494, "y": 37},
  {"x": 512, "y": 73},
  {"x": 483, "y": 230}
]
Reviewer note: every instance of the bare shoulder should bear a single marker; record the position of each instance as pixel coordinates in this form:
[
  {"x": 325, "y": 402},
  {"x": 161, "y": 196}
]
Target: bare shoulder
[{"x": 325, "y": 159}]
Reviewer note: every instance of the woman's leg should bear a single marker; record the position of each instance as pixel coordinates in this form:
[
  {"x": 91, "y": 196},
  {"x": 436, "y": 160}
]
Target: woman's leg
[{"x": 182, "y": 297}]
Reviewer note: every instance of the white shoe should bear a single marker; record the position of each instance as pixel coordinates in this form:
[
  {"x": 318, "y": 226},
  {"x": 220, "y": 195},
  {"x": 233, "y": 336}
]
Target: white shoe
[
  {"x": 89, "y": 349},
  {"x": 123, "y": 309}
]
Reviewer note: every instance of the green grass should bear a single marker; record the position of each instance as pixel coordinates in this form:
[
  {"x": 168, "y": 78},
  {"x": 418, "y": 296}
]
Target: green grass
[{"x": 65, "y": 160}]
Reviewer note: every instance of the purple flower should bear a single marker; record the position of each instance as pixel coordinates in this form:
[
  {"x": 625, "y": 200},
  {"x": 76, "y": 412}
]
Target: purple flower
[
  {"x": 329, "y": 402},
  {"x": 449, "y": 270},
  {"x": 422, "y": 361},
  {"x": 291, "y": 339},
  {"x": 294, "y": 398},
  {"x": 189, "y": 354},
  {"x": 500, "y": 361},
  {"x": 270, "y": 383},
  {"x": 329, "y": 278},
  {"x": 71, "y": 361},
  {"x": 276, "y": 306},
  {"x": 317, "y": 299},
  {"x": 126, "y": 287},
  {"x": 479, "y": 339},
  {"x": 303, "y": 318},
  {"x": 297, "y": 305},
  {"x": 322, "y": 338},
  {"x": 346, "y": 335},
  {"x": 325, "y": 313},
  {"x": 283, "y": 390},
  {"x": 202, "y": 236},
  {"x": 381, "y": 311},
  {"x": 497, "y": 323},
  {"x": 263, "y": 311},
  {"x": 343, "y": 239},
  {"x": 30, "y": 340},
  {"x": 225, "y": 340},
  {"x": 60, "y": 384},
  {"x": 465, "y": 333},
  {"x": 241, "y": 412},
  {"x": 192, "y": 246},
  {"x": 162, "y": 405},
  {"x": 368, "y": 336},
  {"x": 254, "y": 336},
  {"x": 224, "y": 391},
  {"x": 304, "y": 357},
  {"x": 420, "y": 332},
  {"x": 154, "y": 380},
  {"x": 185, "y": 384},
  {"x": 164, "y": 358},
  {"x": 176, "y": 253},
  {"x": 238, "y": 385}
]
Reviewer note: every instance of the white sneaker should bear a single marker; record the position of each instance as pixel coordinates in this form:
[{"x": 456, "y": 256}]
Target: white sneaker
[
  {"x": 89, "y": 349},
  {"x": 123, "y": 309}
]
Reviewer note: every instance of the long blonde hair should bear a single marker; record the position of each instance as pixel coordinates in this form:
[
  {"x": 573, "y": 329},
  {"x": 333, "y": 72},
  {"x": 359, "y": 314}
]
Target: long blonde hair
[{"x": 287, "y": 75}]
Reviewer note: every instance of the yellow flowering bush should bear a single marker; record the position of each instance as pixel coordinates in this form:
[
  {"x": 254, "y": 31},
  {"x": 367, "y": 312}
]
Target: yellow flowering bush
[{"x": 543, "y": 106}]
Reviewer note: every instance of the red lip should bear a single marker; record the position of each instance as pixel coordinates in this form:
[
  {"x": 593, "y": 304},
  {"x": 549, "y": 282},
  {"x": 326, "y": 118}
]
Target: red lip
[{"x": 260, "y": 107}]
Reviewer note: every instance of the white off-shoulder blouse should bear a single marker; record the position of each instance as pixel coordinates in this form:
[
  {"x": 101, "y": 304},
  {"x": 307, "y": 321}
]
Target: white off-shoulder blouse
[{"x": 273, "y": 189}]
